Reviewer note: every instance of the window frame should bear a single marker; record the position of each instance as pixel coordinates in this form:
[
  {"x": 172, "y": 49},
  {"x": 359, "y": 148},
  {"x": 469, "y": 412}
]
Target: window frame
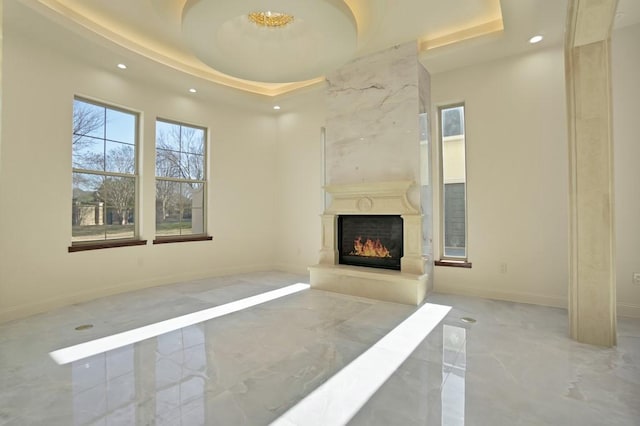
[
  {"x": 448, "y": 260},
  {"x": 204, "y": 235},
  {"x": 84, "y": 245}
]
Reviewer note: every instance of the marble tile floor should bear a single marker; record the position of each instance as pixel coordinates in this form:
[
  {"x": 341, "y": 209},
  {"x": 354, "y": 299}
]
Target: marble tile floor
[{"x": 514, "y": 366}]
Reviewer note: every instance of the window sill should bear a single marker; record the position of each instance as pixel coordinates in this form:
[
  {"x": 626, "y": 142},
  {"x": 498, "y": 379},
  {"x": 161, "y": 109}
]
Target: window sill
[
  {"x": 98, "y": 245},
  {"x": 453, "y": 263},
  {"x": 167, "y": 240}
]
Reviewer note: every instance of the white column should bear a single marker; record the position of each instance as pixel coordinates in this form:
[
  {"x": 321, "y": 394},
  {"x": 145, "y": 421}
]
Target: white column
[
  {"x": 329, "y": 250},
  {"x": 412, "y": 261},
  {"x": 592, "y": 295},
  {"x": 1, "y": 44}
]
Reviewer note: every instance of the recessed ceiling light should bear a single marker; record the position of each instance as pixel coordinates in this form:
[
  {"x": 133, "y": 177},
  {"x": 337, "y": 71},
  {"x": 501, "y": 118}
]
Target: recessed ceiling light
[
  {"x": 535, "y": 39},
  {"x": 122, "y": 66},
  {"x": 276, "y": 107},
  {"x": 192, "y": 90}
]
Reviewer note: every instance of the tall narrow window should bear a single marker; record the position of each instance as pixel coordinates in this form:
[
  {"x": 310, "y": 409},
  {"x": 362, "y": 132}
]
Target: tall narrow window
[
  {"x": 180, "y": 179},
  {"x": 454, "y": 183},
  {"x": 104, "y": 160}
]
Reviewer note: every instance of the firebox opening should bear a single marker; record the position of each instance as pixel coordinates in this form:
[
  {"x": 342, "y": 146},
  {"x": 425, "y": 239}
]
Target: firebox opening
[{"x": 373, "y": 241}]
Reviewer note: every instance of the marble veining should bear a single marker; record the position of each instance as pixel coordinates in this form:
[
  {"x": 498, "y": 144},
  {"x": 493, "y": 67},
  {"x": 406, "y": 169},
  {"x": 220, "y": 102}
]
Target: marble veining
[
  {"x": 515, "y": 366},
  {"x": 372, "y": 126}
]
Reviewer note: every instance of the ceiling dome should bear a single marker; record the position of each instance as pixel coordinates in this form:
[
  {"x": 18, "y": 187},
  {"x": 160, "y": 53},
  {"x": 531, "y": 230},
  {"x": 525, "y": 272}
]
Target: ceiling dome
[{"x": 273, "y": 41}]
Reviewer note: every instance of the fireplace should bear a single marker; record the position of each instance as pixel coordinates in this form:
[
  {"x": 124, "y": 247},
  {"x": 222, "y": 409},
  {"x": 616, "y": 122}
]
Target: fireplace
[
  {"x": 373, "y": 241},
  {"x": 377, "y": 218}
]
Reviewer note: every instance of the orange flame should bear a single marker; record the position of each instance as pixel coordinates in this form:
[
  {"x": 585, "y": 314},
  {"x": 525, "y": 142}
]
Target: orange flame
[{"x": 369, "y": 248}]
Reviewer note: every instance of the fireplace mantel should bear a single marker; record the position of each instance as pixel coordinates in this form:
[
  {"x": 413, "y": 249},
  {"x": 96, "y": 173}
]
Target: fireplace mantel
[
  {"x": 371, "y": 198},
  {"x": 409, "y": 285}
]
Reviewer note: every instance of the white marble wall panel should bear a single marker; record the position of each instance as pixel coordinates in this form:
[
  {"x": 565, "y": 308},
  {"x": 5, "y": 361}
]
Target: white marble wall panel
[
  {"x": 373, "y": 135},
  {"x": 372, "y": 159},
  {"x": 372, "y": 121},
  {"x": 424, "y": 89},
  {"x": 426, "y": 181}
]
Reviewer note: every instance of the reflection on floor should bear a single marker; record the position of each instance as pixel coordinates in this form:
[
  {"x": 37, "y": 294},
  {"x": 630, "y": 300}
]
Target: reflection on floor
[
  {"x": 118, "y": 340},
  {"x": 514, "y": 366}
]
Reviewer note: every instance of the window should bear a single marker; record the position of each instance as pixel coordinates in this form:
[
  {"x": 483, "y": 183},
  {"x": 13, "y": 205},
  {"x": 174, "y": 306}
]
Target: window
[
  {"x": 180, "y": 179},
  {"x": 104, "y": 161},
  {"x": 453, "y": 211}
]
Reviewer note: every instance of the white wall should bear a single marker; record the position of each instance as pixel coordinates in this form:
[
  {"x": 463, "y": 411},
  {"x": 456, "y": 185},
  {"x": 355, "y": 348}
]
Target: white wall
[
  {"x": 36, "y": 271},
  {"x": 265, "y": 177},
  {"x": 517, "y": 177},
  {"x": 299, "y": 168},
  {"x": 626, "y": 109},
  {"x": 518, "y": 171}
]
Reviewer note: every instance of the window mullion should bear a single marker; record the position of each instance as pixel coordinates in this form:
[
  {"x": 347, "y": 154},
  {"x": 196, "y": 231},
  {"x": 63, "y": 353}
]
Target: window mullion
[
  {"x": 105, "y": 203},
  {"x": 99, "y": 173},
  {"x": 177, "y": 191},
  {"x": 172, "y": 179}
]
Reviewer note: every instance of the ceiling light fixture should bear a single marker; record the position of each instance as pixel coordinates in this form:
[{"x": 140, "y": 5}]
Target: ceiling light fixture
[
  {"x": 192, "y": 90},
  {"x": 535, "y": 39},
  {"x": 276, "y": 107},
  {"x": 270, "y": 19},
  {"x": 122, "y": 66},
  {"x": 286, "y": 42}
]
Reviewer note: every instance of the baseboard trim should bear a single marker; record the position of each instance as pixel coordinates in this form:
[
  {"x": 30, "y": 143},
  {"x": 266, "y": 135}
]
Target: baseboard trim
[
  {"x": 623, "y": 309},
  {"x": 628, "y": 310},
  {"x": 28, "y": 309},
  {"x": 292, "y": 268},
  {"x": 533, "y": 299}
]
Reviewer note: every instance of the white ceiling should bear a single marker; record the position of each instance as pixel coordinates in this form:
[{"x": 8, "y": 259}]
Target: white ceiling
[{"x": 148, "y": 34}]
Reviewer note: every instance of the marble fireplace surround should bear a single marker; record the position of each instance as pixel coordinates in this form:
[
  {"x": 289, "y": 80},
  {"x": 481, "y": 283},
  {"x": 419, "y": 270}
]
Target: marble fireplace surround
[{"x": 409, "y": 285}]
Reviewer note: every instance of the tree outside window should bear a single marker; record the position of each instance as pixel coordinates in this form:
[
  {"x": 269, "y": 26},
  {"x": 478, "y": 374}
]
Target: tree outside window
[
  {"x": 104, "y": 172},
  {"x": 180, "y": 179}
]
